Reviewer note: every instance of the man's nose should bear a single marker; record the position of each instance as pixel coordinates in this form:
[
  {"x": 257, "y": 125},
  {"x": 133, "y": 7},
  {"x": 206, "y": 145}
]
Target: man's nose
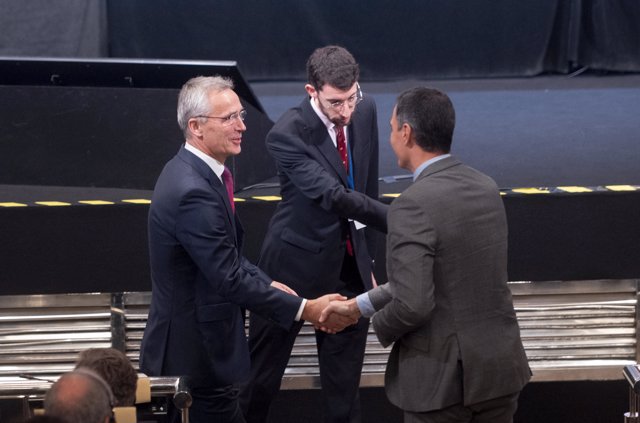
[{"x": 346, "y": 111}]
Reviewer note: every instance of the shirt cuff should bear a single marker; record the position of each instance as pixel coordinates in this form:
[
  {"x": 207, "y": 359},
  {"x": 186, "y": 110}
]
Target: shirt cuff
[
  {"x": 365, "y": 305},
  {"x": 299, "y": 314}
]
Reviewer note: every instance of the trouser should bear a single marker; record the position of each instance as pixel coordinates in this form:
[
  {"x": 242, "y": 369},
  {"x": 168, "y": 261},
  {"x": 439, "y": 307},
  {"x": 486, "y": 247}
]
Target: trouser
[
  {"x": 340, "y": 358},
  {"x": 211, "y": 405},
  {"x": 497, "y": 410}
]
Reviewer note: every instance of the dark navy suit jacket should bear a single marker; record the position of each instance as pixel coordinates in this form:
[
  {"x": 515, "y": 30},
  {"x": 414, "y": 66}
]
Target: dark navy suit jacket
[
  {"x": 305, "y": 244},
  {"x": 200, "y": 281}
]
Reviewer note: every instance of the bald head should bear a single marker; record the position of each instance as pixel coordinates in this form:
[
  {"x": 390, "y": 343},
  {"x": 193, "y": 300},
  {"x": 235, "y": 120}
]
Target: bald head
[{"x": 80, "y": 396}]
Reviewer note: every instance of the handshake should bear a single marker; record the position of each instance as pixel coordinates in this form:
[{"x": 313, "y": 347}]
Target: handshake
[{"x": 330, "y": 313}]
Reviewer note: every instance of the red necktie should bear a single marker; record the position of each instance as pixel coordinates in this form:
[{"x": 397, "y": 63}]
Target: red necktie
[
  {"x": 341, "y": 142},
  {"x": 228, "y": 183},
  {"x": 342, "y": 147}
]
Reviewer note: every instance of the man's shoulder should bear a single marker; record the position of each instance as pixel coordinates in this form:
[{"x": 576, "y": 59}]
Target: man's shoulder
[{"x": 297, "y": 121}]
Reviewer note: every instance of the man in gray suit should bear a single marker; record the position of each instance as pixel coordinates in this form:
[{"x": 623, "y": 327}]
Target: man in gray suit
[{"x": 457, "y": 353}]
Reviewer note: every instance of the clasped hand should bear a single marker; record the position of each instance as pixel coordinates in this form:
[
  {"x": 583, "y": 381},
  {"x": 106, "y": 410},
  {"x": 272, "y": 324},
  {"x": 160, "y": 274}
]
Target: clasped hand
[{"x": 328, "y": 314}]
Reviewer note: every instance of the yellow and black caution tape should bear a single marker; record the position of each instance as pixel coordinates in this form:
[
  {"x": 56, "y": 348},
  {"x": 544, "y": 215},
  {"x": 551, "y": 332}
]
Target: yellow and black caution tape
[
  {"x": 506, "y": 191},
  {"x": 51, "y": 203},
  {"x": 559, "y": 190}
]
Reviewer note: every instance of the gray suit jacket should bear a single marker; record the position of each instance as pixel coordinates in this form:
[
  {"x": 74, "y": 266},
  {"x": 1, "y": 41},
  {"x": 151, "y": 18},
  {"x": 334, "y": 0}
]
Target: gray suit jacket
[{"x": 447, "y": 306}]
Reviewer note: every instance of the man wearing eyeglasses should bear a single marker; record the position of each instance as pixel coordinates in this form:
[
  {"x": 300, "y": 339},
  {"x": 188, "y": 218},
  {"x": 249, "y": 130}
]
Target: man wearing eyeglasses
[
  {"x": 201, "y": 283},
  {"x": 326, "y": 152}
]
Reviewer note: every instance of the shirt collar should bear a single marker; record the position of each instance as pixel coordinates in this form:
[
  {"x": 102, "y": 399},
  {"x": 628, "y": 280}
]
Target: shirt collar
[
  {"x": 215, "y": 165},
  {"x": 426, "y": 164}
]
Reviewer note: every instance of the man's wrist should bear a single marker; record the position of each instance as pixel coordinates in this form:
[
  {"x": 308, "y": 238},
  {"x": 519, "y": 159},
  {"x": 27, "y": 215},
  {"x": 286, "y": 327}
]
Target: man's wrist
[
  {"x": 364, "y": 305},
  {"x": 303, "y": 304}
]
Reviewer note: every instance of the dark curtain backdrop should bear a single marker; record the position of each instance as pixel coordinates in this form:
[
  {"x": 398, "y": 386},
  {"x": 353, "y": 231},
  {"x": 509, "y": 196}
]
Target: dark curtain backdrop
[
  {"x": 610, "y": 35},
  {"x": 415, "y": 39},
  {"x": 53, "y": 28},
  {"x": 271, "y": 40}
]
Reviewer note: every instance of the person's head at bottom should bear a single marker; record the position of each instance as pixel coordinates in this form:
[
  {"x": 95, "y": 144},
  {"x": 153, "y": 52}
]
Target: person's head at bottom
[{"x": 80, "y": 396}]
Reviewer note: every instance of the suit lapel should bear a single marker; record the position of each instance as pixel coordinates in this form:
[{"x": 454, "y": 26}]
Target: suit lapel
[
  {"x": 322, "y": 141},
  {"x": 207, "y": 173}
]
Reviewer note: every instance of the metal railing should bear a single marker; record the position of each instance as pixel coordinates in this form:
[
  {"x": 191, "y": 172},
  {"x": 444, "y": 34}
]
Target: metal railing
[
  {"x": 32, "y": 389},
  {"x": 571, "y": 330},
  {"x": 632, "y": 374}
]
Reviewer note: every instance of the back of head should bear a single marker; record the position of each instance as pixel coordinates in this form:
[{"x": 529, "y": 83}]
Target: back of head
[
  {"x": 115, "y": 368},
  {"x": 80, "y": 396},
  {"x": 332, "y": 65},
  {"x": 431, "y": 116}
]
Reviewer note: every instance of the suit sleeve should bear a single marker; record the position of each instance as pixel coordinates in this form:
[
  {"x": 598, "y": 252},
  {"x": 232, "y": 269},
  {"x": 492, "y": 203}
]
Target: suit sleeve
[
  {"x": 202, "y": 231},
  {"x": 372, "y": 187},
  {"x": 409, "y": 299},
  {"x": 294, "y": 158}
]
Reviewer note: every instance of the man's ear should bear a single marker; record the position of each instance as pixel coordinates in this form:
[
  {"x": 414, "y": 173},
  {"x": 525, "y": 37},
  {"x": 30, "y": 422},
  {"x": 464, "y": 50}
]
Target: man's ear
[
  {"x": 194, "y": 127},
  {"x": 310, "y": 89},
  {"x": 407, "y": 135}
]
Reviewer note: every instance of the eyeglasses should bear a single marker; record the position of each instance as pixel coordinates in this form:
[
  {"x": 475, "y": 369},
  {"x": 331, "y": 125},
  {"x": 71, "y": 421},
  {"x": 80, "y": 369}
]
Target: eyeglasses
[
  {"x": 356, "y": 98},
  {"x": 228, "y": 120}
]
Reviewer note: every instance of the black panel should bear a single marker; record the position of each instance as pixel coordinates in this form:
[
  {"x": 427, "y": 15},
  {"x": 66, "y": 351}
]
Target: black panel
[
  {"x": 132, "y": 73},
  {"x": 47, "y": 250},
  {"x": 85, "y": 127},
  {"x": 573, "y": 237},
  {"x": 83, "y": 248}
]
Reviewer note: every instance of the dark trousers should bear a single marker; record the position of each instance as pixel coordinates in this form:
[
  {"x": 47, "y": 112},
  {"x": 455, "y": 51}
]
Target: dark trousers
[
  {"x": 498, "y": 410},
  {"x": 211, "y": 405},
  {"x": 340, "y": 358}
]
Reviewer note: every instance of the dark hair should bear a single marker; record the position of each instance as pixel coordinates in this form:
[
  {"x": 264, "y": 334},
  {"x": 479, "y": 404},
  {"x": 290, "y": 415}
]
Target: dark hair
[
  {"x": 332, "y": 65},
  {"x": 430, "y": 115},
  {"x": 115, "y": 368}
]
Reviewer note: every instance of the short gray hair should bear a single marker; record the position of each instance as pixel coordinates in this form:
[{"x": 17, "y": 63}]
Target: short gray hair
[{"x": 193, "y": 99}]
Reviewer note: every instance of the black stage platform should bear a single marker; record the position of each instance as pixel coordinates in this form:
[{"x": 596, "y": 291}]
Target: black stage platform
[
  {"x": 564, "y": 150},
  {"x": 55, "y": 237}
]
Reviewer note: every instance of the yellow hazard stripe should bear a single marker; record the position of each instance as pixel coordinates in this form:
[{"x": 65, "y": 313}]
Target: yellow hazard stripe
[
  {"x": 13, "y": 205},
  {"x": 569, "y": 189},
  {"x": 52, "y": 203}
]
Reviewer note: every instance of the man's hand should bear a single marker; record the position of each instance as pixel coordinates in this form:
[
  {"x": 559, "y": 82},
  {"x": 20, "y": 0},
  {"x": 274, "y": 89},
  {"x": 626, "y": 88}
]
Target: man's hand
[
  {"x": 283, "y": 287},
  {"x": 314, "y": 308},
  {"x": 348, "y": 309}
]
